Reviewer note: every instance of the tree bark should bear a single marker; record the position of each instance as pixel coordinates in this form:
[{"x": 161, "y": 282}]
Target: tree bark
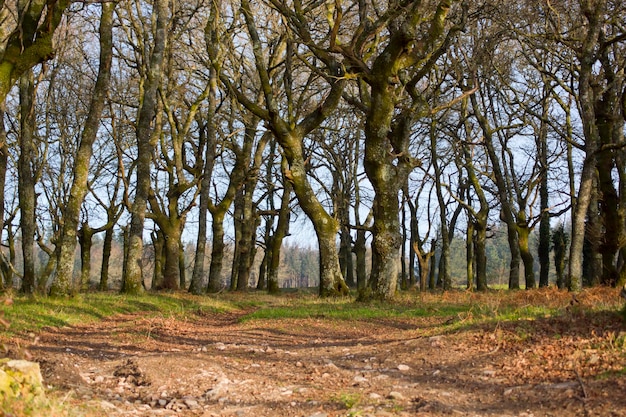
[
  {"x": 146, "y": 142},
  {"x": 85, "y": 238},
  {"x": 543, "y": 248},
  {"x": 506, "y": 211},
  {"x": 4, "y": 158},
  {"x": 290, "y": 135},
  {"x": 587, "y": 59},
  {"x": 214, "y": 284},
  {"x": 66, "y": 247},
  {"x": 107, "y": 245},
  {"x": 26, "y": 180}
]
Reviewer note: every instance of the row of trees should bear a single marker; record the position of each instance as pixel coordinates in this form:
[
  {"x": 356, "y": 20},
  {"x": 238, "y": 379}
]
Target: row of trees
[{"x": 392, "y": 126}]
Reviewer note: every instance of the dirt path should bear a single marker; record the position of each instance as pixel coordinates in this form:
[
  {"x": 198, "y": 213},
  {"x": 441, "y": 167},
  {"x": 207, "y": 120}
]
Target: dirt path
[{"x": 216, "y": 365}]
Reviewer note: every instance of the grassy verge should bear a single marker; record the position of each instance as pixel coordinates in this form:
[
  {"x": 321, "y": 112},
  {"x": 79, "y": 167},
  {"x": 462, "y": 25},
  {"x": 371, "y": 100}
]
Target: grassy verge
[
  {"x": 456, "y": 305},
  {"x": 31, "y": 314}
]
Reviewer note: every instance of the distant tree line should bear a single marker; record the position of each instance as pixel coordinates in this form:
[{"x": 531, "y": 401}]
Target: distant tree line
[{"x": 411, "y": 135}]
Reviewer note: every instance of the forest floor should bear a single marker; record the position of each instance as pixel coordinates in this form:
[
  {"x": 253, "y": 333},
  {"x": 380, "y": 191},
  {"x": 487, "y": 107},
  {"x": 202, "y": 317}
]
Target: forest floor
[{"x": 221, "y": 364}]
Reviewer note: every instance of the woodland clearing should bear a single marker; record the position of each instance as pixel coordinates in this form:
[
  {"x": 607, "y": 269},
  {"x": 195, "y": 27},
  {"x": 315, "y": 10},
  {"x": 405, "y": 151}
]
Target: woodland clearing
[{"x": 522, "y": 353}]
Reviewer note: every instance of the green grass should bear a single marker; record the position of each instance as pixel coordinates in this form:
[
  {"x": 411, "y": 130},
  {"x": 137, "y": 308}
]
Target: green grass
[
  {"x": 459, "y": 308},
  {"x": 31, "y": 314},
  {"x": 348, "y": 310}
]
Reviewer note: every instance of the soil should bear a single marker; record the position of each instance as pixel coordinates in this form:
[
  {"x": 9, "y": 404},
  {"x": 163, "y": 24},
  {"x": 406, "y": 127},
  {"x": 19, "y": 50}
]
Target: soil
[{"x": 215, "y": 364}]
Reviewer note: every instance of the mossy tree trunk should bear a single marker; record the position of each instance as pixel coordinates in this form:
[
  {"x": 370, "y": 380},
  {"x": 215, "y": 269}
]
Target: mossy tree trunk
[
  {"x": 250, "y": 219},
  {"x": 147, "y": 132},
  {"x": 502, "y": 190},
  {"x": 214, "y": 283},
  {"x": 28, "y": 38},
  {"x": 237, "y": 177},
  {"x": 208, "y": 142},
  {"x": 85, "y": 240},
  {"x": 587, "y": 58},
  {"x": 282, "y": 230},
  {"x": 290, "y": 132},
  {"x": 523, "y": 233},
  {"x": 113, "y": 214},
  {"x": 477, "y": 217},
  {"x": 326, "y": 227},
  {"x": 66, "y": 246},
  {"x": 543, "y": 247},
  {"x": 107, "y": 245},
  {"x": 387, "y": 158}
]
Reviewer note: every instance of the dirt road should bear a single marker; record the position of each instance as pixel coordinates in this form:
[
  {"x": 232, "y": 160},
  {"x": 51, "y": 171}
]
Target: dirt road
[{"x": 217, "y": 365}]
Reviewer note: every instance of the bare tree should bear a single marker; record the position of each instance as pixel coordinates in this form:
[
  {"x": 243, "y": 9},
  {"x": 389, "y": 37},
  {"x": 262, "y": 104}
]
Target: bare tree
[
  {"x": 291, "y": 130},
  {"x": 66, "y": 246},
  {"x": 147, "y": 135}
]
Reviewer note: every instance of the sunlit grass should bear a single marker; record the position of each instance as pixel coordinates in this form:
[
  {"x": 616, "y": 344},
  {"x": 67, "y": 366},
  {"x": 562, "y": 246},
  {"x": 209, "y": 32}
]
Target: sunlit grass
[
  {"x": 31, "y": 314},
  {"x": 457, "y": 305}
]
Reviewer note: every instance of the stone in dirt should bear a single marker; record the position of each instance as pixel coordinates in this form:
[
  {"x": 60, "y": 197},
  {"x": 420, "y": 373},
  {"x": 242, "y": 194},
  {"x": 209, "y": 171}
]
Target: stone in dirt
[
  {"x": 132, "y": 373},
  {"x": 20, "y": 377}
]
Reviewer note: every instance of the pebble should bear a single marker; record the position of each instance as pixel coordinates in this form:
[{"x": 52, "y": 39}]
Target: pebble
[
  {"x": 191, "y": 403},
  {"x": 319, "y": 414},
  {"x": 403, "y": 367},
  {"x": 107, "y": 405},
  {"x": 359, "y": 379},
  {"x": 395, "y": 395}
]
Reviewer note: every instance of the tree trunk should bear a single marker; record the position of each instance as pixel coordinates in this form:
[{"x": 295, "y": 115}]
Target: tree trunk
[
  {"x": 386, "y": 179},
  {"x": 326, "y": 227},
  {"x": 67, "y": 239},
  {"x": 444, "y": 259},
  {"x": 403, "y": 273},
  {"x": 360, "y": 253},
  {"x": 543, "y": 249},
  {"x": 588, "y": 58},
  {"x": 197, "y": 285},
  {"x": 480, "y": 251},
  {"x": 506, "y": 211},
  {"x": 158, "y": 246},
  {"x": 345, "y": 255},
  {"x": 282, "y": 230},
  {"x": 610, "y": 128},
  {"x": 26, "y": 180},
  {"x": 31, "y": 41},
  {"x": 147, "y": 136},
  {"x": 182, "y": 265},
  {"x": 523, "y": 233},
  {"x": 214, "y": 284},
  {"x": 4, "y": 158},
  {"x": 171, "y": 270},
  {"x": 559, "y": 243},
  {"x": 592, "y": 258},
  {"x": 386, "y": 240},
  {"x": 85, "y": 237},
  {"x": 470, "y": 256},
  {"x": 250, "y": 220},
  {"x": 107, "y": 245}
]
